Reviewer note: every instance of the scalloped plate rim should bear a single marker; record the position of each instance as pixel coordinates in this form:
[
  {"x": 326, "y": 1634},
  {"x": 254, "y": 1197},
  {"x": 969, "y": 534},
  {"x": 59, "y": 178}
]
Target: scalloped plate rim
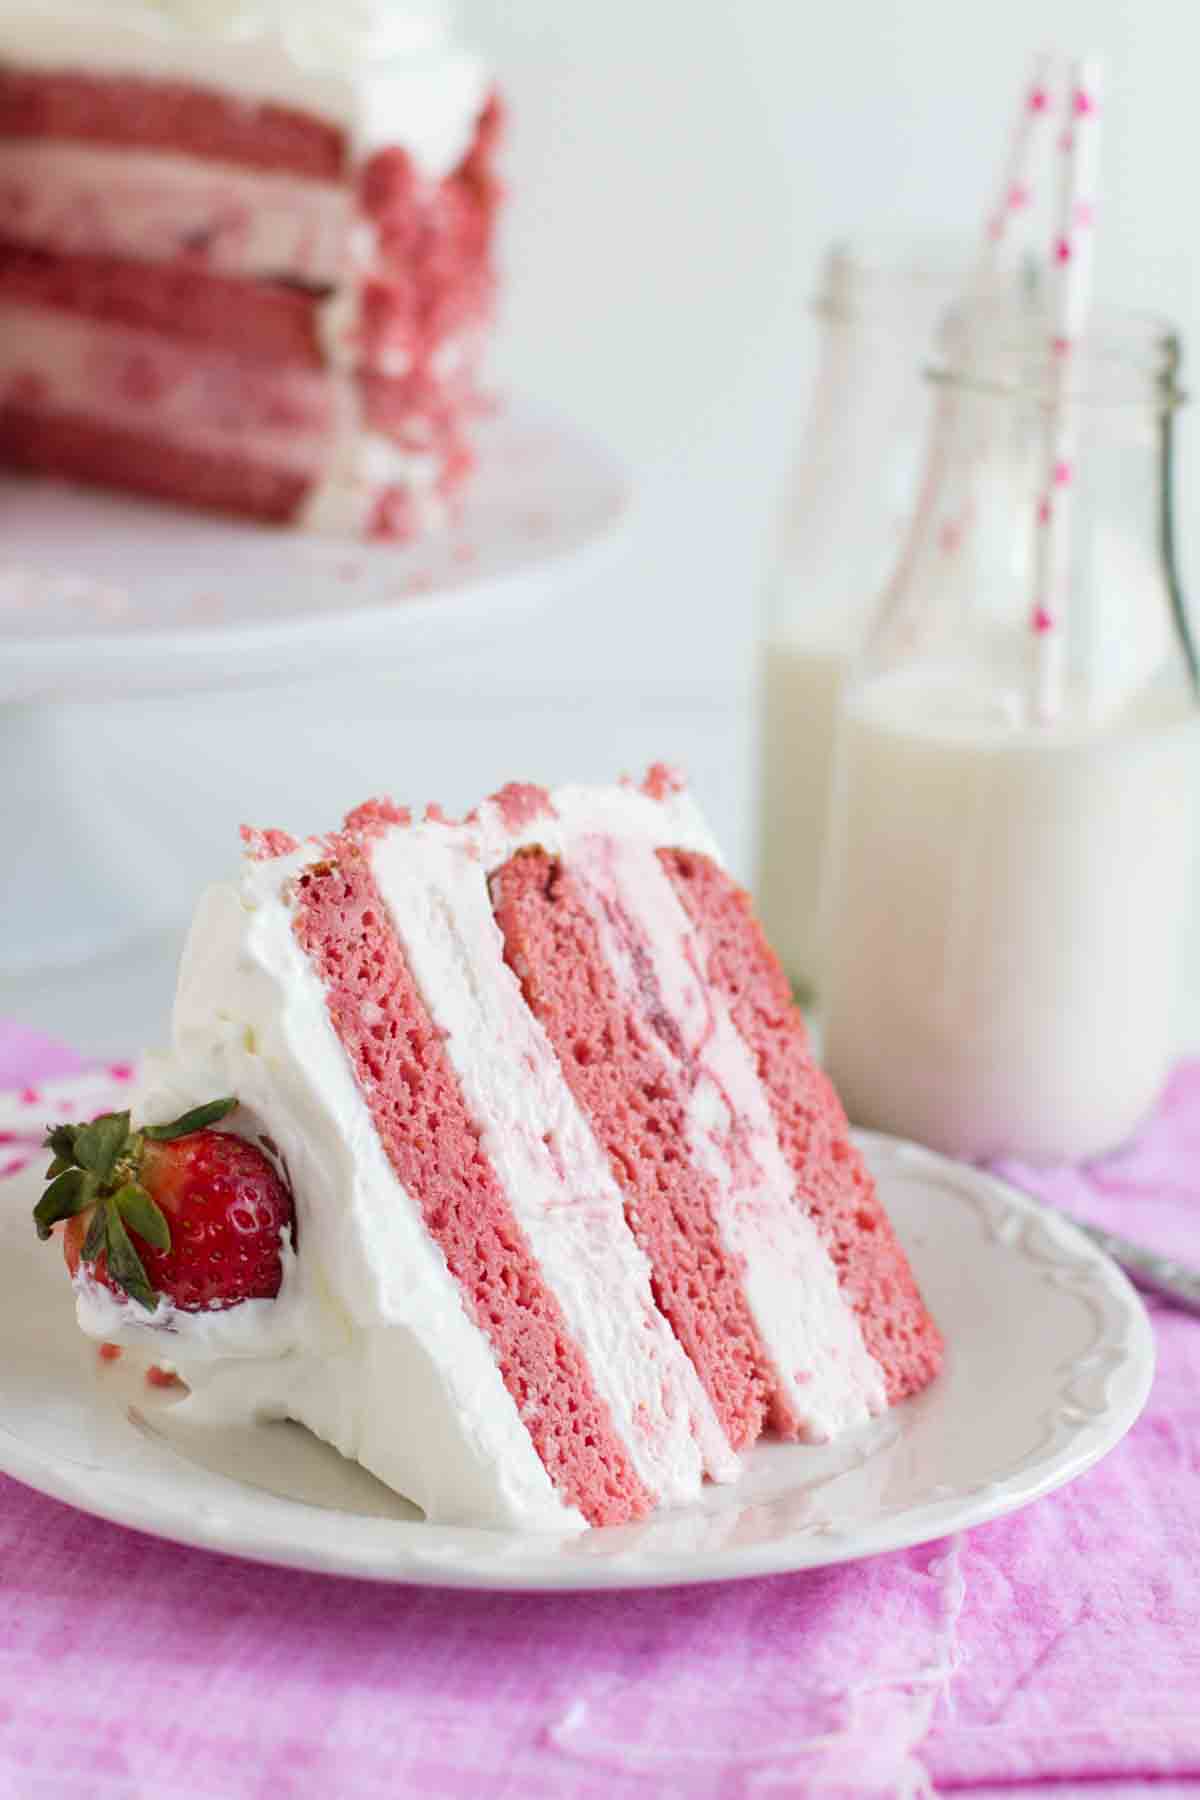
[{"x": 447, "y": 1556}]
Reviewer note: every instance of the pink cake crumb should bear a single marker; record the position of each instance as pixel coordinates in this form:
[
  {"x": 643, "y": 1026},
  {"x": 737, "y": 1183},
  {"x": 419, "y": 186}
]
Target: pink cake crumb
[
  {"x": 519, "y": 803},
  {"x": 833, "y": 1184},
  {"x": 408, "y": 1082},
  {"x": 438, "y": 240},
  {"x": 662, "y": 781},
  {"x": 264, "y": 846},
  {"x": 157, "y": 1377},
  {"x": 393, "y": 517},
  {"x": 637, "y": 1110},
  {"x": 374, "y": 817}
]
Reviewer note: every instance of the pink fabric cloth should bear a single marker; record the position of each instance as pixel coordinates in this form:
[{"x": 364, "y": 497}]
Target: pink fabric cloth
[
  {"x": 27, "y": 1055},
  {"x": 1060, "y": 1645}
]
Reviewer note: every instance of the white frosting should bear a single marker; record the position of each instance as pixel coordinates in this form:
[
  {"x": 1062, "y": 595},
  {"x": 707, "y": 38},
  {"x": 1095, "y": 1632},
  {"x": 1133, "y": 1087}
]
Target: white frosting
[
  {"x": 386, "y": 70},
  {"x": 213, "y": 1336},
  {"x": 392, "y": 1371}
]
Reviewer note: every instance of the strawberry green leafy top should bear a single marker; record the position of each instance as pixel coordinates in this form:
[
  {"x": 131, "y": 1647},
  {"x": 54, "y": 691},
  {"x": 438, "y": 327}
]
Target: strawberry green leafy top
[{"x": 97, "y": 1167}]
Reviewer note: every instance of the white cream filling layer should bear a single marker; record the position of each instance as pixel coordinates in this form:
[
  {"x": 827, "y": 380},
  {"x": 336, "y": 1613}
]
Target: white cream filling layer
[
  {"x": 553, "y": 1171},
  {"x": 153, "y": 206},
  {"x": 388, "y": 73}
]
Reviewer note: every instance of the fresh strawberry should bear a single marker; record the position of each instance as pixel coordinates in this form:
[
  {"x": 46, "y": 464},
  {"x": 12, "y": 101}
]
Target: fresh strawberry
[{"x": 177, "y": 1210}]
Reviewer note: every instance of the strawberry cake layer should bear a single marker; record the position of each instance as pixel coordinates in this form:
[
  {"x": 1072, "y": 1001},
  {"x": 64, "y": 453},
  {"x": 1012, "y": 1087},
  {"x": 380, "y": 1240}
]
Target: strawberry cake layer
[
  {"x": 577, "y": 1219},
  {"x": 267, "y": 165}
]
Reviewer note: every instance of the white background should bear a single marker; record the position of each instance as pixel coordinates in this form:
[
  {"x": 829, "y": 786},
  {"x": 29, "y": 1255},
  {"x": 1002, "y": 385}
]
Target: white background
[{"x": 677, "y": 168}]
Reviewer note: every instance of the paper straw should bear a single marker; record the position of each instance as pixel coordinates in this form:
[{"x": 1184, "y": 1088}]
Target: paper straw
[
  {"x": 1071, "y": 292},
  {"x": 1016, "y": 195},
  {"x": 1006, "y": 223},
  {"x": 1013, "y": 202}
]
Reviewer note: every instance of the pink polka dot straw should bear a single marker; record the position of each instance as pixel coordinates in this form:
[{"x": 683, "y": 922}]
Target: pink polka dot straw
[
  {"x": 1071, "y": 293},
  {"x": 1006, "y": 237},
  {"x": 1016, "y": 192}
]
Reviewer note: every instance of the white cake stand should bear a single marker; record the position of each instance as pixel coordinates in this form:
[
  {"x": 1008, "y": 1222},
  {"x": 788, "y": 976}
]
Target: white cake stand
[{"x": 102, "y": 596}]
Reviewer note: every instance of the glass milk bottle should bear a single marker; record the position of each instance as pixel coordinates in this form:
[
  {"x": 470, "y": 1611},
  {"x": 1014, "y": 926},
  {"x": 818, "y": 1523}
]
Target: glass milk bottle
[
  {"x": 844, "y": 512},
  {"x": 1006, "y": 889}
]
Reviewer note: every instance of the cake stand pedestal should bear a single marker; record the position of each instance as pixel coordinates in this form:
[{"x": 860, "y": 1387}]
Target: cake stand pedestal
[{"x": 103, "y": 597}]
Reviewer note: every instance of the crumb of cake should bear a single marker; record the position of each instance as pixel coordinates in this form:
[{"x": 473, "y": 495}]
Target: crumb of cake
[
  {"x": 163, "y": 1375},
  {"x": 520, "y": 802},
  {"x": 374, "y": 817},
  {"x": 263, "y": 845},
  {"x": 662, "y": 781}
]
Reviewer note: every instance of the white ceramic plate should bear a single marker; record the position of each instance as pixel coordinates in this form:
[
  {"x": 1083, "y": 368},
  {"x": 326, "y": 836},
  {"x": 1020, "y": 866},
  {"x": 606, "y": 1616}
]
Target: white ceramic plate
[
  {"x": 1049, "y": 1363},
  {"x": 98, "y": 591}
]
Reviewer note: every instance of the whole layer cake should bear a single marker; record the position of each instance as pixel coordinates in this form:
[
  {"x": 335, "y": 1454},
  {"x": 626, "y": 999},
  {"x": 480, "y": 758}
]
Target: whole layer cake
[
  {"x": 246, "y": 253},
  {"x": 577, "y": 1217}
]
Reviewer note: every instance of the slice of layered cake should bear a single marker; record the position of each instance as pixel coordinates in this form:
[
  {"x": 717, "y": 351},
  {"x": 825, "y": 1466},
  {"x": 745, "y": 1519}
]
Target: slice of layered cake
[
  {"x": 246, "y": 253},
  {"x": 577, "y": 1218}
]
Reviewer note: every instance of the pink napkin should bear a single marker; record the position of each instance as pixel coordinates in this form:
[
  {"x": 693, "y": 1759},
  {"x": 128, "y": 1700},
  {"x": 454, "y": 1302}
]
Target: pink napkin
[{"x": 1062, "y": 1644}]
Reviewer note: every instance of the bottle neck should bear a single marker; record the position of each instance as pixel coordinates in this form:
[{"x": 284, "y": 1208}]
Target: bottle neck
[{"x": 1038, "y": 574}]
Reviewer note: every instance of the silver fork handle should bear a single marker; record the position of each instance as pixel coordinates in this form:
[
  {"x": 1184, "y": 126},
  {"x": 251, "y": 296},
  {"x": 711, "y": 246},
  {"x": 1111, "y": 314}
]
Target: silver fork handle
[{"x": 1161, "y": 1275}]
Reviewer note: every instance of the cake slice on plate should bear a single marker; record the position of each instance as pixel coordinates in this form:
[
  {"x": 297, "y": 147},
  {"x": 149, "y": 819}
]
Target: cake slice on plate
[
  {"x": 576, "y": 1216},
  {"x": 246, "y": 253}
]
